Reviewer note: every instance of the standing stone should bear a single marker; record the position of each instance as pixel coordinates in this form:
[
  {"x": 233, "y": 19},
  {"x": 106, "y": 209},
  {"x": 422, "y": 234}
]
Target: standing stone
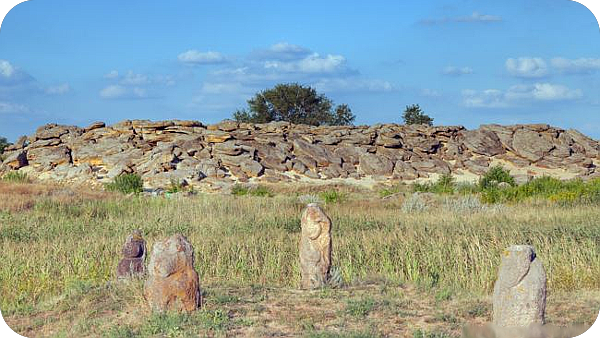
[
  {"x": 134, "y": 255},
  {"x": 315, "y": 247},
  {"x": 520, "y": 291},
  {"x": 172, "y": 283}
]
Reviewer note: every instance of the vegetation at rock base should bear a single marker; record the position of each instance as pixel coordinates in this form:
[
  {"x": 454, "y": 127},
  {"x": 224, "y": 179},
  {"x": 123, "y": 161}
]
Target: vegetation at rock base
[
  {"x": 494, "y": 176},
  {"x": 294, "y": 103},
  {"x": 413, "y": 114},
  {"x": 126, "y": 184},
  {"x": 15, "y": 176}
]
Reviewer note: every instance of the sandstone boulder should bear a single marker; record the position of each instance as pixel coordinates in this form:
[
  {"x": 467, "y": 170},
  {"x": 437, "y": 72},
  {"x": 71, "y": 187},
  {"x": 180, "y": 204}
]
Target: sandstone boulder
[
  {"x": 531, "y": 144},
  {"x": 482, "y": 142},
  {"x": 372, "y": 164},
  {"x": 172, "y": 283}
]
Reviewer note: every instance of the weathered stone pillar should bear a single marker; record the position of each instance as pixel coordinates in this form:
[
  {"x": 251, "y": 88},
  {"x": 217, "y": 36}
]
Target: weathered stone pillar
[
  {"x": 315, "y": 247},
  {"x": 172, "y": 283},
  {"x": 520, "y": 291},
  {"x": 134, "y": 255}
]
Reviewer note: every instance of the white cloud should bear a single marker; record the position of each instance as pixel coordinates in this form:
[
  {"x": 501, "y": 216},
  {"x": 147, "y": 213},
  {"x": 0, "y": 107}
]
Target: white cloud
[
  {"x": 543, "y": 92},
  {"x": 576, "y": 66},
  {"x": 476, "y": 17},
  {"x": 196, "y": 57},
  {"x": 526, "y": 67},
  {"x": 313, "y": 63},
  {"x": 489, "y": 98},
  {"x": 122, "y": 92},
  {"x": 220, "y": 88},
  {"x": 6, "y": 69},
  {"x": 494, "y": 98},
  {"x": 431, "y": 93},
  {"x": 58, "y": 89},
  {"x": 457, "y": 71},
  {"x": 283, "y": 51},
  {"x": 135, "y": 79},
  {"x": 13, "y": 108},
  {"x": 113, "y": 74},
  {"x": 353, "y": 84}
]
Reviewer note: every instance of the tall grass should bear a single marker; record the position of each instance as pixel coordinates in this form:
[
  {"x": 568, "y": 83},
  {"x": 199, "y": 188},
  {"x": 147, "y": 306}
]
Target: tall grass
[{"x": 250, "y": 241}]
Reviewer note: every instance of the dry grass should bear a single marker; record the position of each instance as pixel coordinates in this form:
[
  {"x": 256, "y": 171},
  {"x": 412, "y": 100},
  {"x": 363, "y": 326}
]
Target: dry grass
[{"x": 63, "y": 252}]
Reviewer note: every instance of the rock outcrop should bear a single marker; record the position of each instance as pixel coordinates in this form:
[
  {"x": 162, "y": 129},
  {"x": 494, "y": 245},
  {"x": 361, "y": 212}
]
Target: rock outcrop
[
  {"x": 172, "y": 282},
  {"x": 211, "y": 157}
]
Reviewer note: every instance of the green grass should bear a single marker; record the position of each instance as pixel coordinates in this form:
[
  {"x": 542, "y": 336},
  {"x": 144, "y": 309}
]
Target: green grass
[
  {"x": 16, "y": 177},
  {"x": 259, "y": 190},
  {"x": 333, "y": 196}
]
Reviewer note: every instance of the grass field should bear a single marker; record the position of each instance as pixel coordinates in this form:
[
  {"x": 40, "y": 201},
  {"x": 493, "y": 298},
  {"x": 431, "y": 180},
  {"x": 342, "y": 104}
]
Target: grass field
[{"x": 411, "y": 271}]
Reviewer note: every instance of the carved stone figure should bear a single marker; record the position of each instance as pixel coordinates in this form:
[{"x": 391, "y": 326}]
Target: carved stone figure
[
  {"x": 520, "y": 291},
  {"x": 315, "y": 247},
  {"x": 134, "y": 255},
  {"x": 172, "y": 283}
]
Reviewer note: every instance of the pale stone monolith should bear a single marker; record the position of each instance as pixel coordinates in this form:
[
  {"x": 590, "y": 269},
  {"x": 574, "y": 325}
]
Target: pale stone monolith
[
  {"x": 172, "y": 283},
  {"x": 315, "y": 247},
  {"x": 520, "y": 291},
  {"x": 134, "y": 256}
]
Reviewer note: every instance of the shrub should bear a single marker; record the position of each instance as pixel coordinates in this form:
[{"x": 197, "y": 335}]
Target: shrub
[
  {"x": 16, "y": 177},
  {"x": 239, "y": 190},
  {"x": 333, "y": 196},
  {"x": 126, "y": 184},
  {"x": 175, "y": 186},
  {"x": 445, "y": 184},
  {"x": 414, "y": 203},
  {"x": 494, "y": 176}
]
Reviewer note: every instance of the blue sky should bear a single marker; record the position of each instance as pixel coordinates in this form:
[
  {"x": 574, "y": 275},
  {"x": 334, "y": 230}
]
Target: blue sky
[{"x": 466, "y": 62}]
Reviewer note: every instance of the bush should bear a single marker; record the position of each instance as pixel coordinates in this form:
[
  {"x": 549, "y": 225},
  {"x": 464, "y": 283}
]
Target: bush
[
  {"x": 548, "y": 188},
  {"x": 445, "y": 184},
  {"x": 332, "y": 196},
  {"x": 494, "y": 176},
  {"x": 175, "y": 186},
  {"x": 16, "y": 177},
  {"x": 126, "y": 184}
]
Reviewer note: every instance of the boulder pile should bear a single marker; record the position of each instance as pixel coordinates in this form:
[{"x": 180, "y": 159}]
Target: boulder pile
[{"x": 215, "y": 156}]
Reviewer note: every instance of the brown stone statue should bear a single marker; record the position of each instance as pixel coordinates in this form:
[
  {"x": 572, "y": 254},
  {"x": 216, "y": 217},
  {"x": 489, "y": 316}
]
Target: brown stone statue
[
  {"x": 172, "y": 283},
  {"x": 134, "y": 255},
  {"x": 315, "y": 247}
]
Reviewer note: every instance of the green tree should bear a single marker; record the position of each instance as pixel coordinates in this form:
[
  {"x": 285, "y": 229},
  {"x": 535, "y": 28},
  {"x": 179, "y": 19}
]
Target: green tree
[
  {"x": 3, "y": 144},
  {"x": 296, "y": 104},
  {"x": 413, "y": 114}
]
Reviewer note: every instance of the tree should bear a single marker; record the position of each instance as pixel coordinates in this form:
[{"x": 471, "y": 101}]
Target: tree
[
  {"x": 413, "y": 114},
  {"x": 343, "y": 116},
  {"x": 3, "y": 144},
  {"x": 296, "y": 104}
]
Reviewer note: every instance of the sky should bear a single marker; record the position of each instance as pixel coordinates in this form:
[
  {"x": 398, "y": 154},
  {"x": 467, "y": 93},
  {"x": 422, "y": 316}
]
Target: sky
[{"x": 465, "y": 62}]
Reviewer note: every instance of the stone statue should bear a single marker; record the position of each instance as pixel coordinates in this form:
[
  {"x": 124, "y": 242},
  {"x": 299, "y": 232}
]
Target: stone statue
[
  {"x": 520, "y": 291},
  {"x": 134, "y": 255},
  {"x": 173, "y": 283},
  {"x": 315, "y": 247}
]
